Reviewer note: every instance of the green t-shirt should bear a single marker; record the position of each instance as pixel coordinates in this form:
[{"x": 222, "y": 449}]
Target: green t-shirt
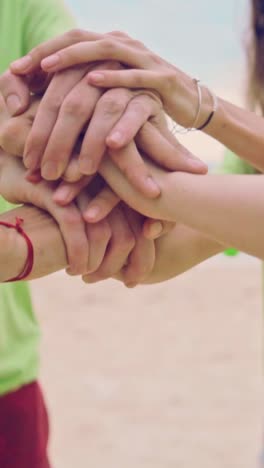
[{"x": 23, "y": 24}]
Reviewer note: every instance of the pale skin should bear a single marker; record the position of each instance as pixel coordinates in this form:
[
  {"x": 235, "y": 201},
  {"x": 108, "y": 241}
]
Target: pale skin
[
  {"x": 195, "y": 200},
  {"x": 240, "y": 130},
  {"x": 229, "y": 217}
]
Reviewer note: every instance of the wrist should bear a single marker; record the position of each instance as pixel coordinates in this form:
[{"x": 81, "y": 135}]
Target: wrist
[
  {"x": 13, "y": 253},
  {"x": 185, "y": 104}
]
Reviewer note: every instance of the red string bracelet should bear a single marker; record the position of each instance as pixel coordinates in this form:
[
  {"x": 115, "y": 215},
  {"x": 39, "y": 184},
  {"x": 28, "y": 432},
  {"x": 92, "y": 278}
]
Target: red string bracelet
[{"x": 30, "y": 256}]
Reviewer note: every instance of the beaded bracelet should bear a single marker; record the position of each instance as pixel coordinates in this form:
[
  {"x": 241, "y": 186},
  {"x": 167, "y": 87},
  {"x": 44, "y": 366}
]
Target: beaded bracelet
[{"x": 30, "y": 256}]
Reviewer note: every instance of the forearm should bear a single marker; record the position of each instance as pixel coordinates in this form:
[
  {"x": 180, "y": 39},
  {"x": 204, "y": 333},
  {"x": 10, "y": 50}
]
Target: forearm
[
  {"x": 229, "y": 209},
  {"x": 49, "y": 248},
  {"x": 179, "y": 251},
  {"x": 239, "y": 130}
]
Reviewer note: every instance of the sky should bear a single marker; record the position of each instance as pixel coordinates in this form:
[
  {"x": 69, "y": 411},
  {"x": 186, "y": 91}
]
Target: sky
[{"x": 202, "y": 37}]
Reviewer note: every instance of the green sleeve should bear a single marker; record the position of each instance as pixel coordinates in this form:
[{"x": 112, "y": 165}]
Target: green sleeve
[
  {"x": 233, "y": 164},
  {"x": 43, "y": 20}
]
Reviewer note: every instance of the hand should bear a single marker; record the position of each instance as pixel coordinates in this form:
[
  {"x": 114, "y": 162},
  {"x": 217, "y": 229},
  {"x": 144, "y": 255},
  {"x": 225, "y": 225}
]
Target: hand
[
  {"x": 121, "y": 133},
  {"x": 15, "y": 130},
  {"x": 177, "y": 90},
  {"x": 15, "y": 189},
  {"x": 133, "y": 268},
  {"x": 165, "y": 206},
  {"x": 57, "y": 127},
  {"x": 13, "y": 134}
]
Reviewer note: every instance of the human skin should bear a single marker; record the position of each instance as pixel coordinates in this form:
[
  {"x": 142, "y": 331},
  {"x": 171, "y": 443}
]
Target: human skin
[
  {"x": 109, "y": 250},
  {"x": 238, "y": 129}
]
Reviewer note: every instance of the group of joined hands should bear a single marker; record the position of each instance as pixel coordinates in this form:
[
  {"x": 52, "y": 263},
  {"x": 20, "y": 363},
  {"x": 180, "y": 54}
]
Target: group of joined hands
[{"x": 86, "y": 112}]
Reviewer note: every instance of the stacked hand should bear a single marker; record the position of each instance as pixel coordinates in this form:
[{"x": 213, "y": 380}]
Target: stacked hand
[{"x": 75, "y": 131}]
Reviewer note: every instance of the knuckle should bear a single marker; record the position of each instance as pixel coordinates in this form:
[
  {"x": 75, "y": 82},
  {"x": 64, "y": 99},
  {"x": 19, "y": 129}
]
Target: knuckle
[
  {"x": 118, "y": 33},
  {"x": 53, "y": 103},
  {"x": 76, "y": 34},
  {"x": 110, "y": 105},
  {"x": 108, "y": 47},
  {"x": 140, "y": 105},
  {"x": 73, "y": 106},
  {"x": 138, "y": 44}
]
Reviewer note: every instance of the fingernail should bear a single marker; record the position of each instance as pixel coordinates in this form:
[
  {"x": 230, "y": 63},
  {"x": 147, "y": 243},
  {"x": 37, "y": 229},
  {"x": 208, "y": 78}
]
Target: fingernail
[
  {"x": 13, "y": 103},
  {"x": 69, "y": 271},
  {"x": 50, "y": 170},
  {"x": 152, "y": 187},
  {"x": 22, "y": 63},
  {"x": 50, "y": 61},
  {"x": 62, "y": 195},
  {"x": 155, "y": 229},
  {"x": 34, "y": 176},
  {"x": 131, "y": 285},
  {"x": 92, "y": 213},
  {"x": 116, "y": 138},
  {"x": 96, "y": 77}
]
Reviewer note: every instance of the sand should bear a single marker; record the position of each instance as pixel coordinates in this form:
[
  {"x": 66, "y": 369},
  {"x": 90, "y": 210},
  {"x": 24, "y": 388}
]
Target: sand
[{"x": 165, "y": 376}]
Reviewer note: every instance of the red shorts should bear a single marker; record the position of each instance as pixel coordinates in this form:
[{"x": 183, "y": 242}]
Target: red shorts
[{"x": 24, "y": 429}]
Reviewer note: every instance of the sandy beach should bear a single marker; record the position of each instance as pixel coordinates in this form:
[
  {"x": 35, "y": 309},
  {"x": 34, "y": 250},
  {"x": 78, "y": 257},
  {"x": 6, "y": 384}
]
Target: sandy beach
[{"x": 157, "y": 377}]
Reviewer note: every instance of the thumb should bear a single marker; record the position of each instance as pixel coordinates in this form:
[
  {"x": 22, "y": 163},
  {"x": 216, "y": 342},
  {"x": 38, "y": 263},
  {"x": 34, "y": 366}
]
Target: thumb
[{"x": 15, "y": 92}]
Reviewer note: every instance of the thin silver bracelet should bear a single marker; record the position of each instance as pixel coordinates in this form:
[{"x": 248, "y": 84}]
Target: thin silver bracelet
[
  {"x": 178, "y": 129},
  {"x": 182, "y": 130}
]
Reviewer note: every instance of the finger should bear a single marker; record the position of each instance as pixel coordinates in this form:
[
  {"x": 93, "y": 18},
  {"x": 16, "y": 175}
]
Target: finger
[
  {"x": 153, "y": 228},
  {"x": 108, "y": 111},
  {"x": 31, "y": 61},
  {"x": 132, "y": 165},
  {"x": 13, "y": 135},
  {"x": 121, "y": 244},
  {"x": 73, "y": 230},
  {"x": 47, "y": 115},
  {"x": 129, "y": 79},
  {"x": 108, "y": 48},
  {"x": 98, "y": 235},
  {"x": 15, "y": 130},
  {"x": 73, "y": 115},
  {"x": 174, "y": 157},
  {"x": 15, "y": 92},
  {"x": 137, "y": 113},
  {"x": 75, "y": 112},
  {"x": 72, "y": 172},
  {"x": 101, "y": 205},
  {"x": 68, "y": 191},
  {"x": 33, "y": 176},
  {"x": 142, "y": 258}
]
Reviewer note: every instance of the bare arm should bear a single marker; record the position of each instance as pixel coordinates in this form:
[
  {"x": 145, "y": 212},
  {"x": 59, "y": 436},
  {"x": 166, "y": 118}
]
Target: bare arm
[
  {"x": 49, "y": 248},
  {"x": 229, "y": 209},
  {"x": 179, "y": 251}
]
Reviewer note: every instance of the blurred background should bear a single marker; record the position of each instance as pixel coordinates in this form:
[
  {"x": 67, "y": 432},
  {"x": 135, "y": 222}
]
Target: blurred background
[{"x": 167, "y": 376}]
